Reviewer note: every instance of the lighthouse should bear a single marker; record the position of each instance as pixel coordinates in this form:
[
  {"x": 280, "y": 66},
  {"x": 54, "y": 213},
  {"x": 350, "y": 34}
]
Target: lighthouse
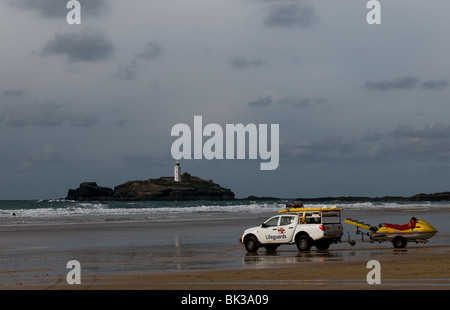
[{"x": 177, "y": 172}]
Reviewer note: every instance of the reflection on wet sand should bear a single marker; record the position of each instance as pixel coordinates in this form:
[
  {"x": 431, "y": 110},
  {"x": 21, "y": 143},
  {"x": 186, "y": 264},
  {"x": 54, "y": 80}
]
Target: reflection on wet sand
[
  {"x": 278, "y": 258},
  {"x": 270, "y": 259}
]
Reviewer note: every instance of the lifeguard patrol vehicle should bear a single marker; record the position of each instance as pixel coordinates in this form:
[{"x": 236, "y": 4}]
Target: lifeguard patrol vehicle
[{"x": 304, "y": 227}]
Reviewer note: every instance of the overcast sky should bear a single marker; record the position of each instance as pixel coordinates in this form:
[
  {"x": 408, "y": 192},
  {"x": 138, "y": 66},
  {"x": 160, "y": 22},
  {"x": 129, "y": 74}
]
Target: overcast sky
[{"x": 362, "y": 109}]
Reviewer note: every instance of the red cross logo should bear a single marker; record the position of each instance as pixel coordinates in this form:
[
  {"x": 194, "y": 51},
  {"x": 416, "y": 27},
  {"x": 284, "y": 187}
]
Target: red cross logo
[{"x": 281, "y": 230}]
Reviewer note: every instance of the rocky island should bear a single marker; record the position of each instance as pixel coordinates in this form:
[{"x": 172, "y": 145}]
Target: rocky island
[{"x": 163, "y": 188}]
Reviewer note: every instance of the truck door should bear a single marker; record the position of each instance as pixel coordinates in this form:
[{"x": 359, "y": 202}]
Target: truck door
[
  {"x": 287, "y": 226},
  {"x": 278, "y": 229},
  {"x": 269, "y": 231}
]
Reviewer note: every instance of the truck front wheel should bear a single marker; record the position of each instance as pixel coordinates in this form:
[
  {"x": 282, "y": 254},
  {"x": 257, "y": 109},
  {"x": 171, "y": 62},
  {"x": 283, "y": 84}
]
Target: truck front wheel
[
  {"x": 251, "y": 244},
  {"x": 304, "y": 243}
]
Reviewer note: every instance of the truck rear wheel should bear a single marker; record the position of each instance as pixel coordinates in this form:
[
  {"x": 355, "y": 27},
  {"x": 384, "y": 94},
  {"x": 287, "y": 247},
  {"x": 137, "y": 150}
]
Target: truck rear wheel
[
  {"x": 304, "y": 243},
  {"x": 322, "y": 245},
  {"x": 251, "y": 244}
]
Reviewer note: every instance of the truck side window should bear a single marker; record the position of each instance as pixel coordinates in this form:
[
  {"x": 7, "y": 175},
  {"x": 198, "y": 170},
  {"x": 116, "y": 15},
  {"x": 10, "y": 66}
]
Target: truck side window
[{"x": 286, "y": 220}]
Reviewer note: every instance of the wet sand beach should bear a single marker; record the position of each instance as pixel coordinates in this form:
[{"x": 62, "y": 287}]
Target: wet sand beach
[
  {"x": 200, "y": 256},
  {"x": 412, "y": 269}
]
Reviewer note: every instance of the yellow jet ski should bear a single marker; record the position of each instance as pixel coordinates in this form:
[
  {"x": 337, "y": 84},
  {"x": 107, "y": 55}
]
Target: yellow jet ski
[{"x": 414, "y": 231}]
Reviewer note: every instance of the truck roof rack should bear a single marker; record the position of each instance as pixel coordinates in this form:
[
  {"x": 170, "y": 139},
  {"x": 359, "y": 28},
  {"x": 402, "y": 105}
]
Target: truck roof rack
[{"x": 294, "y": 210}]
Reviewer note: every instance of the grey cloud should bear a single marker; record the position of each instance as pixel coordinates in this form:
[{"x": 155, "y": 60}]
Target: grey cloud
[
  {"x": 80, "y": 119},
  {"x": 329, "y": 144},
  {"x": 87, "y": 45},
  {"x": 435, "y": 84},
  {"x": 290, "y": 101},
  {"x": 243, "y": 63},
  {"x": 48, "y": 114},
  {"x": 3, "y": 113},
  {"x": 332, "y": 148},
  {"x": 261, "y": 102},
  {"x": 137, "y": 161},
  {"x": 130, "y": 70},
  {"x": 151, "y": 50},
  {"x": 44, "y": 154},
  {"x": 408, "y": 82},
  {"x": 403, "y": 143},
  {"x": 416, "y": 149},
  {"x": 374, "y": 136},
  {"x": 402, "y": 83},
  {"x": 127, "y": 71},
  {"x": 291, "y": 15},
  {"x": 406, "y": 142},
  {"x": 12, "y": 93},
  {"x": 123, "y": 122},
  {"x": 437, "y": 131},
  {"x": 301, "y": 103},
  {"x": 57, "y": 8}
]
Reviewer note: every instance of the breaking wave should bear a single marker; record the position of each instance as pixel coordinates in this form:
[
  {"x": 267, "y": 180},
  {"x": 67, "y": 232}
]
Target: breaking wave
[{"x": 67, "y": 211}]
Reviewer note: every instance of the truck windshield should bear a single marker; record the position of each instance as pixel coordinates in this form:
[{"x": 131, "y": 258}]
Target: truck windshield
[
  {"x": 271, "y": 222},
  {"x": 331, "y": 217}
]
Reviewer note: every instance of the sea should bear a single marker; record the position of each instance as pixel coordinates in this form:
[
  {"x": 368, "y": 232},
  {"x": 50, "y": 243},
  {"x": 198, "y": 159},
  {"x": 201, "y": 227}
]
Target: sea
[{"x": 17, "y": 213}]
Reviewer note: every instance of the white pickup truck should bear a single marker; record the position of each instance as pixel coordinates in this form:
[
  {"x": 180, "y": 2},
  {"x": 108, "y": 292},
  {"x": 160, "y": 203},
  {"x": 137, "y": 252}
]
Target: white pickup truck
[{"x": 304, "y": 227}]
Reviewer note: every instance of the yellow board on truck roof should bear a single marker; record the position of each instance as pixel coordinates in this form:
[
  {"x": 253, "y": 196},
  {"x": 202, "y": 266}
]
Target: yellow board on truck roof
[{"x": 310, "y": 209}]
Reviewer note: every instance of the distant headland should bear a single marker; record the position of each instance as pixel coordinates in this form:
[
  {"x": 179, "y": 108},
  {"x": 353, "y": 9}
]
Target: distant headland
[{"x": 442, "y": 196}]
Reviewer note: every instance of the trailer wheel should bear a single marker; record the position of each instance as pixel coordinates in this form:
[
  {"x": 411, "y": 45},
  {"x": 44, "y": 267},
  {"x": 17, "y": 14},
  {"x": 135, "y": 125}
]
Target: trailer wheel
[
  {"x": 304, "y": 243},
  {"x": 251, "y": 244},
  {"x": 399, "y": 242}
]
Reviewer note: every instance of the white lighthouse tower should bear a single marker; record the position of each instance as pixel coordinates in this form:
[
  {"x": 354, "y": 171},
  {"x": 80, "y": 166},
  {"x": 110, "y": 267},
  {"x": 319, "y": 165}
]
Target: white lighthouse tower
[{"x": 177, "y": 173}]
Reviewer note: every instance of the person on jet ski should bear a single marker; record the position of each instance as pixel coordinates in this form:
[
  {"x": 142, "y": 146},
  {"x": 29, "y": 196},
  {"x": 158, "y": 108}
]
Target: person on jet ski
[
  {"x": 412, "y": 222},
  {"x": 411, "y": 225}
]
